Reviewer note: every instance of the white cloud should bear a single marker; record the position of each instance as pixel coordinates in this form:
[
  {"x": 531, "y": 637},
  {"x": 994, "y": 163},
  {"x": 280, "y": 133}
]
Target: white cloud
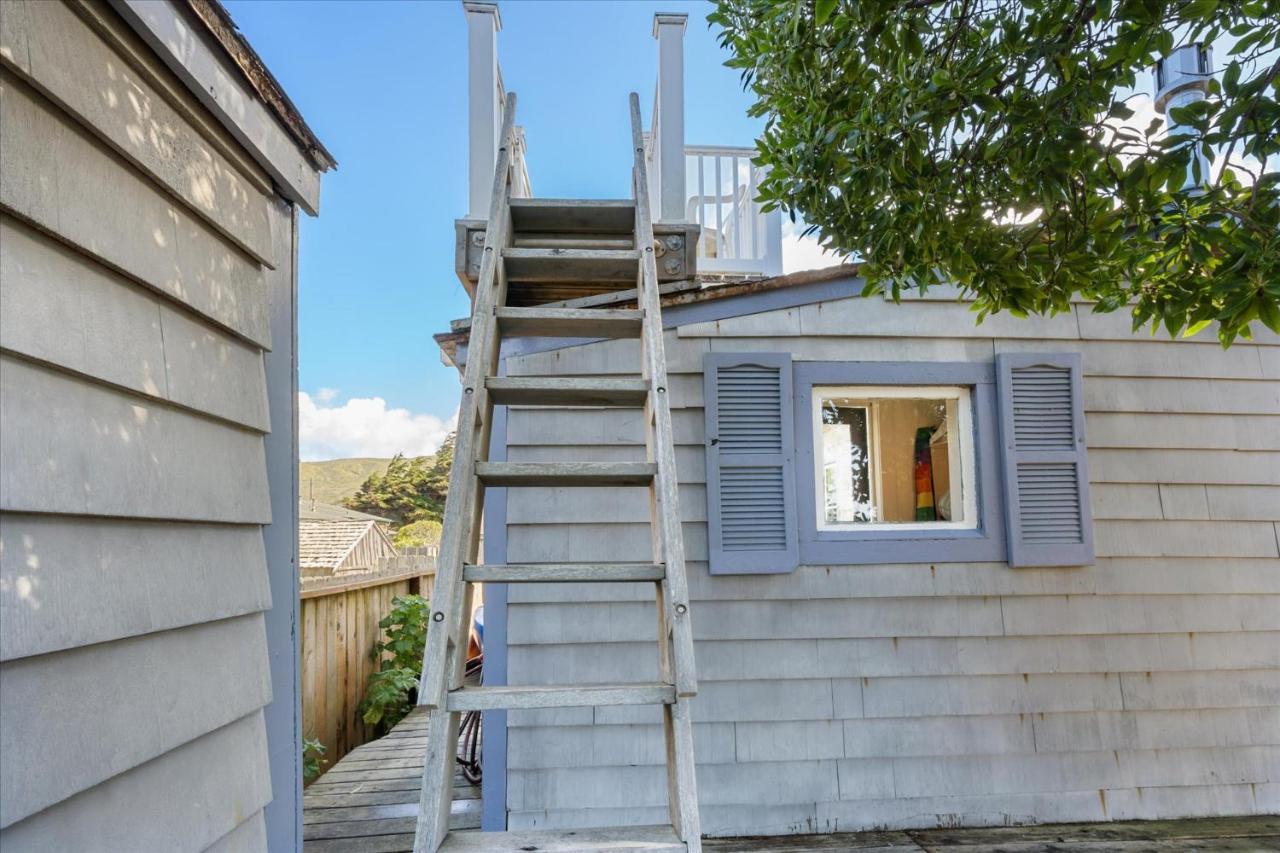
[
  {"x": 801, "y": 253},
  {"x": 364, "y": 426}
]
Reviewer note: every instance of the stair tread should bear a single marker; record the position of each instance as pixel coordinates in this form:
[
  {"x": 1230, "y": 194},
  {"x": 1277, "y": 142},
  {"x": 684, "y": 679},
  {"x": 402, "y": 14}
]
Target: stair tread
[
  {"x": 561, "y": 215},
  {"x": 566, "y": 391},
  {"x": 622, "y": 839},
  {"x": 562, "y": 265},
  {"x": 566, "y": 473},
  {"x": 560, "y": 696},
  {"x": 564, "y": 573},
  {"x": 571, "y": 322}
]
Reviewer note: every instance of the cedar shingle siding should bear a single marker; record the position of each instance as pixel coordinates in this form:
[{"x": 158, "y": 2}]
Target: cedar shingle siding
[{"x": 842, "y": 697}]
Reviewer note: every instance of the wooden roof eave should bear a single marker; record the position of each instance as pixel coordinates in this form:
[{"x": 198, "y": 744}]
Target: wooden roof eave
[{"x": 685, "y": 292}]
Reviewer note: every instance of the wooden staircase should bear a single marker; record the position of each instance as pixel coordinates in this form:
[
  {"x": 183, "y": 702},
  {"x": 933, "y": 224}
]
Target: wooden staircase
[{"x": 559, "y": 245}]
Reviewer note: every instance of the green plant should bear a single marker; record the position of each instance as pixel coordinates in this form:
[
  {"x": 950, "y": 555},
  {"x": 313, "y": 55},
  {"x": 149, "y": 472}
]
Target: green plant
[
  {"x": 312, "y": 758},
  {"x": 994, "y": 144},
  {"x": 418, "y": 533},
  {"x": 391, "y": 691}
]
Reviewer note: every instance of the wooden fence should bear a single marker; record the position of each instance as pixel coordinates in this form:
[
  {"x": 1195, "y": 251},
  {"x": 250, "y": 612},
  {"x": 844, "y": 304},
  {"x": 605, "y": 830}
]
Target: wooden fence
[{"x": 339, "y": 628}]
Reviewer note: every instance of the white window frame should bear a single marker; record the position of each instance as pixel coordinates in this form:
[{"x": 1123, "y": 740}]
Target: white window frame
[{"x": 958, "y": 447}]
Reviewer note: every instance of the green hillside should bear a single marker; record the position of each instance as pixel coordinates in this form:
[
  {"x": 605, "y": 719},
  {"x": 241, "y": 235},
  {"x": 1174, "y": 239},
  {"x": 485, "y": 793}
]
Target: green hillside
[{"x": 334, "y": 479}]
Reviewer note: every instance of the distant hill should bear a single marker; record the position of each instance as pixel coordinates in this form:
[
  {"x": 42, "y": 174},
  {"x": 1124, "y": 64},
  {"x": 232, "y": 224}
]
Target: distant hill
[{"x": 334, "y": 479}]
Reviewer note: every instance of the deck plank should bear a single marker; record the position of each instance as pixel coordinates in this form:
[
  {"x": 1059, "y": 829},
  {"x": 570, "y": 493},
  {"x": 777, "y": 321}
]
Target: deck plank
[{"x": 368, "y": 801}]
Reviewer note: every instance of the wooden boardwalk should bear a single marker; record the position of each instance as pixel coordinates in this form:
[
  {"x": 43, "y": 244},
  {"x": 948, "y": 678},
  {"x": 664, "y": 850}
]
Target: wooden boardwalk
[{"x": 368, "y": 803}]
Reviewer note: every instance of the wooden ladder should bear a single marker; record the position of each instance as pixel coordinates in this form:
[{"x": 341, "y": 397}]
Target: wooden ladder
[{"x": 533, "y": 241}]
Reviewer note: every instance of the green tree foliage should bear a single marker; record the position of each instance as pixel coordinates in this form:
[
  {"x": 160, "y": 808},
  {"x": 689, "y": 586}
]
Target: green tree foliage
[
  {"x": 391, "y": 690},
  {"x": 977, "y": 142},
  {"x": 411, "y": 489},
  {"x": 418, "y": 533}
]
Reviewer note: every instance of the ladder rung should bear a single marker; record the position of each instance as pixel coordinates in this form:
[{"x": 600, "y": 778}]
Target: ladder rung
[
  {"x": 517, "y": 474},
  {"x": 537, "y": 240},
  {"x": 561, "y": 696},
  {"x": 559, "y": 391},
  {"x": 565, "y": 573},
  {"x": 570, "y": 322},
  {"x": 620, "y": 839},
  {"x": 572, "y": 215},
  {"x": 571, "y": 264}
]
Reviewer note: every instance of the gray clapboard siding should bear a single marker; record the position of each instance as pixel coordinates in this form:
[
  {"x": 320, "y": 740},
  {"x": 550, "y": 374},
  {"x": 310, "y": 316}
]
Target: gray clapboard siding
[
  {"x": 605, "y": 746},
  {"x": 1149, "y": 730},
  {"x": 60, "y": 307},
  {"x": 65, "y": 181},
  {"x": 1259, "y": 688},
  {"x": 1147, "y": 358},
  {"x": 1186, "y": 432},
  {"x": 1259, "y": 503},
  {"x": 1111, "y": 576},
  {"x": 646, "y": 786},
  {"x": 80, "y": 581},
  {"x": 1167, "y": 644},
  {"x": 138, "y": 691},
  {"x": 1139, "y": 614},
  {"x": 1219, "y": 467},
  {"x": 248, "y": 837},
  {"x": 732, "y": 660},
  {"x": 600, "y": 506},
  {"x": 1182, "y": 396},
  {"x": 53, "y": 48},
  {"x": 1099, "y": 804},
  {"x": 69, "y": 446},
  {"x": 1118, "y": 326},
  {"x": 1186, "y": 539},
  {"x": 184, "y": 800}
]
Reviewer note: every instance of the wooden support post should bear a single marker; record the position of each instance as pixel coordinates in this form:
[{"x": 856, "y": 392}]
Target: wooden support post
[
  {"x": 668, "y": 140},
  {"x": 484, "y": 108}
]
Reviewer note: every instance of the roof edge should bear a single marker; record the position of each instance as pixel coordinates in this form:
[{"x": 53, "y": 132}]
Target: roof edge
[
  {"x": 219, "y": 23},
  {"x": 676, "y": 294}
]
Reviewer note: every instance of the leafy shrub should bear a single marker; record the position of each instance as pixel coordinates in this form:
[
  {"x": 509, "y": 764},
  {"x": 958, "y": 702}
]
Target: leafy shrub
[
  {"x": 418, "y": 533},
  {"x": 392, "y": 690},
  {"x": 312, "y": 758}
]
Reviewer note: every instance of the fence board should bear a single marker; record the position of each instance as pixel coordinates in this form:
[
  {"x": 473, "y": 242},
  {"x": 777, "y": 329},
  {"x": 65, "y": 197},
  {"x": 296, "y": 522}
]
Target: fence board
[{"x": 340, "y": 618}]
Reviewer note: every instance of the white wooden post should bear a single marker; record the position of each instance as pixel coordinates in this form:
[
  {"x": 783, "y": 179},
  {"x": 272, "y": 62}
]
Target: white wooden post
[
  {"x": 484, "y": 116},
  {"x": 773, "y": 243},
  {"x": 668, "y": 141}
]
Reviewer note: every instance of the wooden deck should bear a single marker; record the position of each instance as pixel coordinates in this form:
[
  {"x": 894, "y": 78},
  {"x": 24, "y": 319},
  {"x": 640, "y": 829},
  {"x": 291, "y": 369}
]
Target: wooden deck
[{"x": 368, "y": 802}]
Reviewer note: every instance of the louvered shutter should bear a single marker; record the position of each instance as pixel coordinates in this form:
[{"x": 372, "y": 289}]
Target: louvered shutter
[
  {"x": 1043, "y": 452},
  {"x": 751, "y": 501}
]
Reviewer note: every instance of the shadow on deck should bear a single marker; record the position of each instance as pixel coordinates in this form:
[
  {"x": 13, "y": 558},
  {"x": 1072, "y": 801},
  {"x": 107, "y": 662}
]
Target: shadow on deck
[{"x": 368, "y": 803}]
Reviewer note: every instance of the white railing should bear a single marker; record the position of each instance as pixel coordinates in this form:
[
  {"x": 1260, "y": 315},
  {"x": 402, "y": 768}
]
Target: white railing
[
  {"x": 737, "y": 236},
  {"x": 713, "y": 186}
]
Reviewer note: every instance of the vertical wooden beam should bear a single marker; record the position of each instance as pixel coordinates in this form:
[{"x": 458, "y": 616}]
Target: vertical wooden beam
[
  {"x": 484, "y": 107},
  {"x": 668, "y": 29}
]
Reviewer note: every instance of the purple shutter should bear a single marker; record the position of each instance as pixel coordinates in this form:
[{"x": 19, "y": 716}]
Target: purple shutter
[
  {"x": 1043, "y": 452},
  {"x": 750, "y": 445}
]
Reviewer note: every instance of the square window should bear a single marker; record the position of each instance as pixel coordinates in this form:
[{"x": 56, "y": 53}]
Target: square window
[{"x": 894, "y": 458}]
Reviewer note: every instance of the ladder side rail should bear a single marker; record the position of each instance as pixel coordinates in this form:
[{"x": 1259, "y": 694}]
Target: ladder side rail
[
  {"x": 458, "y": 533},
  {"x": 667, "y": 520}
]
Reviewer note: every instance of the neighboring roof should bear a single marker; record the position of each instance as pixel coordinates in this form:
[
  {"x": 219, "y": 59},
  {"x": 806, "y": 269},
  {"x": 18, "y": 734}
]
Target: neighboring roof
[
  {"x": 218, "y": 22},
  {"x": 325, "y": 544},
  {"x": 309, "y": 510},
  {"x": 673, "y": 294}
]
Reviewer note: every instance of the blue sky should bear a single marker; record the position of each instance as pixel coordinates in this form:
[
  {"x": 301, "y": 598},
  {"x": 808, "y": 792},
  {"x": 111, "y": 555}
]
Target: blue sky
[{"x": 383, "y": 84}]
